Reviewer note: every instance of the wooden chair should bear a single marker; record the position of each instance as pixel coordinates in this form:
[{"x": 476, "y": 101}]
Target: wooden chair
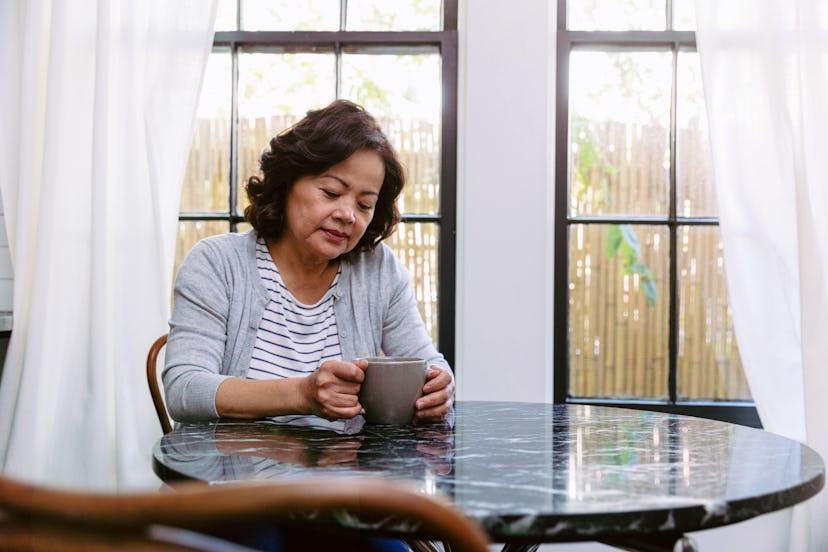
[
  {"x": 152, "y": 379},
  {"x": 38, "y": 518}
]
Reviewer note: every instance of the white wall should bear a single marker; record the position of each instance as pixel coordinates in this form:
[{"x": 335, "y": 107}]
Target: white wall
[
  {"x": 505, "y": 224},
  {"x": 504, "y": 234}
]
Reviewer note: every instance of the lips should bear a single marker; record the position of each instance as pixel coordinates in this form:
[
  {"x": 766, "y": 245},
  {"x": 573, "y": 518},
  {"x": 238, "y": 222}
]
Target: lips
[{"x": 335, "y": 235}]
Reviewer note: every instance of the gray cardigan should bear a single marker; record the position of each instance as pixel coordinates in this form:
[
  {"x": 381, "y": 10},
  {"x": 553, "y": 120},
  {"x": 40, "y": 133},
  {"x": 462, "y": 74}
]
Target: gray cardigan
[{"x": 218, "y": 304}]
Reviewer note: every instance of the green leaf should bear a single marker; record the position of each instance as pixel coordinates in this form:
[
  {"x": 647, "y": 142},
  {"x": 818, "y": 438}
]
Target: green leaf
[
  {"x": 631, "y": 239},
  {"x": 628, "y": 256},
  {"x": 641, "y": 268}
]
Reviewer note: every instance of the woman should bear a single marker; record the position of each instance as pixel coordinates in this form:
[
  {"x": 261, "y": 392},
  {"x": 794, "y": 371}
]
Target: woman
[{"x": 268, "y": 323}]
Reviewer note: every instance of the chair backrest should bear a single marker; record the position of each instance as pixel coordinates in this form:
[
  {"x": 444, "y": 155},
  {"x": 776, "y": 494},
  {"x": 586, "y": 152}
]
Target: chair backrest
[
  {"x": 152, "y": 380},
  {"x": 100, "y": 521}
]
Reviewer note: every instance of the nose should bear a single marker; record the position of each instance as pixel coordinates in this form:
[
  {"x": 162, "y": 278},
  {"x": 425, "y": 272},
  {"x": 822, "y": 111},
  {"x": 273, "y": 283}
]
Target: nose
[{"x": 346, "y": 214}]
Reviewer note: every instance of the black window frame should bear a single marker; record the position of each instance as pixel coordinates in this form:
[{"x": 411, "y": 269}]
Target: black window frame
[
  {"x": 445, "y": 41},
  {"x": 741, "y": 412}
]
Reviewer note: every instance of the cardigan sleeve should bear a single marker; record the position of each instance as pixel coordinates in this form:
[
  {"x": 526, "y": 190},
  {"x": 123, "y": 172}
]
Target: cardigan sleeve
[{"x": 198, "y": 330}]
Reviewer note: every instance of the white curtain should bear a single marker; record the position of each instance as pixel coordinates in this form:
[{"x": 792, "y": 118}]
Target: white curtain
[
  {"x": 765, "y": 73},
  {"x": 97, "y": 104}
]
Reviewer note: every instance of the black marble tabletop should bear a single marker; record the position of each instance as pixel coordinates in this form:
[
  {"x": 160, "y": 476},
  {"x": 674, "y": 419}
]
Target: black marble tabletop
[{"x": 529, "y": 471}]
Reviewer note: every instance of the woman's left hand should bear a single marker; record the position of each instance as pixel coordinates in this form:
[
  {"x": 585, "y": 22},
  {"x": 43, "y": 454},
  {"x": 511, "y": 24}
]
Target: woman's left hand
[{"x": 438, "y": 395}]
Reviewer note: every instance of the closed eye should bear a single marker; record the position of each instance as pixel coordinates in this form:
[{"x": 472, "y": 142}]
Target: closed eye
[
  {"x": 365, "y": 207},
  {"x": 330, "y": 194}
]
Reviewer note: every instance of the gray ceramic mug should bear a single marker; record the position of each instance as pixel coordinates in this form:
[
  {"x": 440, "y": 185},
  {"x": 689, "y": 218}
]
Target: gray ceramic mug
[{"x": 391, "y": 387}]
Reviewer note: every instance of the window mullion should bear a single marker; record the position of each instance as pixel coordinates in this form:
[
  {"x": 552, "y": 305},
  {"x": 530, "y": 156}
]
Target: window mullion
[
  {"x": 672, "y": 378},
  {"x": 234, "y": 138},
  {"x": 561, "y": 261}
]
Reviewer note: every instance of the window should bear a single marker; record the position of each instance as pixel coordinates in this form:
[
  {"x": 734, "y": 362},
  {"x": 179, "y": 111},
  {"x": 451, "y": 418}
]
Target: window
[
  {"x": 272, "y": 61},
  {"x": 642, "y": 317}
]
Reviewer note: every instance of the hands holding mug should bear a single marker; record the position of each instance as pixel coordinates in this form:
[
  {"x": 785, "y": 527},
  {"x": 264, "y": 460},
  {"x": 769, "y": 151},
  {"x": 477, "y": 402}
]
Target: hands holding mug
[{"x": 333, "y": 391}]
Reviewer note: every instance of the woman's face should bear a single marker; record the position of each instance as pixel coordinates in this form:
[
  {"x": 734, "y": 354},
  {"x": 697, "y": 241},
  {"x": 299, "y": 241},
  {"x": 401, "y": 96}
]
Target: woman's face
[{"x": 326, "y": 215}]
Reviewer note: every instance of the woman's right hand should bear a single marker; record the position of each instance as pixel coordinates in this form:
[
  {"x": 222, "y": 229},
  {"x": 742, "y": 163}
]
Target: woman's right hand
[{"x": 331, "y": 391}]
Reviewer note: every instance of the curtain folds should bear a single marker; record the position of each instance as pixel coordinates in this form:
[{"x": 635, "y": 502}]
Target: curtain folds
[
  {"x": 98, "y": 106},
  {"x": 765, "y": 73}
]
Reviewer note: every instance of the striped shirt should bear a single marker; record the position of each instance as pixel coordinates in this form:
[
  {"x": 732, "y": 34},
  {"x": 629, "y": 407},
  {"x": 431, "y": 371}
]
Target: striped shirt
[{"x": 293, "y": 339}]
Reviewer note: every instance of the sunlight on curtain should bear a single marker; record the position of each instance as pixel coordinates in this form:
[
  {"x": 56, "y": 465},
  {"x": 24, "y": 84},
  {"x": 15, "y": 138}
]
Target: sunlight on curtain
[
  {"x": 765, "y": 72},
  {"x": 97, "y": 105}
]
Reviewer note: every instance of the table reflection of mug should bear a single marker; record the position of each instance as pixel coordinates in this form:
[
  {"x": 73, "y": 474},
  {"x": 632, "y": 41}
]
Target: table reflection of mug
[
  {"x": 407, "y": 450},
  {"x": 288, "y": 444},
  {"x": 401, "y": 451}
]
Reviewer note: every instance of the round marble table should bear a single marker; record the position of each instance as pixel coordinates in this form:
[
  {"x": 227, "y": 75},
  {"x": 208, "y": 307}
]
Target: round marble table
[{"x": 531, "y": 472}]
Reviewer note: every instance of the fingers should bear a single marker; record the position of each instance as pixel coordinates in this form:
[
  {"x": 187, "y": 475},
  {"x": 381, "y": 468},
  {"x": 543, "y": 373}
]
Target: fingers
[
  {"x": 346, "y": 371},
  {"x": 437, "y": 378},
  {"x": 434, "y": 413},
  {"x": 333, "y": 413},
  {"x": 333, "y": 389},
  {"x": 340, "y": 377},
  {"x": 438, "y": 395},
  {"x": 339, "y": 401}
]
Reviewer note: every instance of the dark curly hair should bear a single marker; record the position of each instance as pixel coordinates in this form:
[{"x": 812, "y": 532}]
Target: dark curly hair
[{"x": 323, "y": 138}]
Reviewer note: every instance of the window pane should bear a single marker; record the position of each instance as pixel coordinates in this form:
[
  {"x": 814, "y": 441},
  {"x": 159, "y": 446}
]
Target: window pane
[
  {"x": 404, "y": 92},
  {"x": 619, "y": 129},
  {"x": 290, "y": 15},
  {"x": 694, "y": 177},
  {"x": 617, "y": 15},
  {"x": 207, "y": 177},
  {"x": 709, "y": 366},
  {"x": 189, "y": 232},
  {"x": 225, "y": 16},
  {"x": 275, "y": 90},
  {"x": 415, "y": 244},
  {"x": 684, "y": 15},
  {"x": 618, "y": 311},
  {"x": 382, "y": 15}
]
